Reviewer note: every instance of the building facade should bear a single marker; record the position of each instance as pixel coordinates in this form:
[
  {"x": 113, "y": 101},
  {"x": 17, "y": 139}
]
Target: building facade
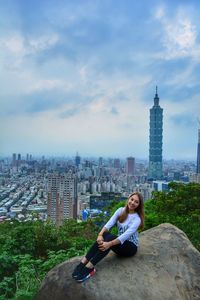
[
  {"x": 77, "y": 160},
  {"x": 130, "y": 166},
  {"x": 62, "y": 197},
  {"x": 116, "y": 163},
  {"x": 156, "y": 140}
]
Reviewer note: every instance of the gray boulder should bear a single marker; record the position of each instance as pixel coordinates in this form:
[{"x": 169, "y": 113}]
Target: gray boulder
[{"x": 166, "y": 267}]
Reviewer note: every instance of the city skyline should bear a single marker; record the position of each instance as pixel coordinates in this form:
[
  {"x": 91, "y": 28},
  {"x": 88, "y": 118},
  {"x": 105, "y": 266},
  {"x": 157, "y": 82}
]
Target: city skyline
[{"x": 81, "y": 76}]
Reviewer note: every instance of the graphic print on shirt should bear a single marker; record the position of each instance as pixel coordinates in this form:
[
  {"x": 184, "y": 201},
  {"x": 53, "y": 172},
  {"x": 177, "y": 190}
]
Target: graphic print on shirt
[{"x": 133, "y": 238}]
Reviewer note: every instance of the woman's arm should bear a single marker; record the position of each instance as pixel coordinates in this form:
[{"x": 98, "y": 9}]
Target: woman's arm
[
  {"x": 104, "y": 229},
  {"x": 123, "y": 237},
  {"x": 100, "y": 238},
  {"x": 112, "y": 221}
]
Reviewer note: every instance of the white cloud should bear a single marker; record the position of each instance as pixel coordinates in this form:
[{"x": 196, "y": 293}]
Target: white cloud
[
  {"x": 14, "y": 44},
  {"x": 15, "y": 47},
  {"x": 159, "y": 12},
  {"x": 91, "y": 126},
  {"x": 98, "y": 106},
  {"x": 49, "y": 84},
  {"x": 179, "y": 37},
  {"x": 42, "y": 42}
]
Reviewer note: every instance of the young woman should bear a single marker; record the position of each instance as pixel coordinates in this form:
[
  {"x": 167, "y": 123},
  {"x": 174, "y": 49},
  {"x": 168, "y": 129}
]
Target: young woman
[{"x": 128, "y": 220}]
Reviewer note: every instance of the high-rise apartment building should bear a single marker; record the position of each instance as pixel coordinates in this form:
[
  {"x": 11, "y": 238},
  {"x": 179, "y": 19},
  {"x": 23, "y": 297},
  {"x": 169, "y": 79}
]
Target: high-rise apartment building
[
  {"x": 130, "y": 165},
  {"x": 14, "y": 160},
  {"x": 14, "y": 156},
  {"x": 77, "y": 160},
  {"x": 117, "y": 163},
  {"x": 198, "y": 153},
  {"x": 62, "y": 197},
  {"x": 100, "y": 161},
  {"x": 155, "y": 140}
]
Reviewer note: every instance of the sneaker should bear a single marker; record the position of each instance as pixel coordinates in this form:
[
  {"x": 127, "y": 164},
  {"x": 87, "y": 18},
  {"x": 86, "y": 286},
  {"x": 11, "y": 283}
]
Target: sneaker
[
  {"x": 85, "y": 274},
  {"x": 77, "y": 270}
]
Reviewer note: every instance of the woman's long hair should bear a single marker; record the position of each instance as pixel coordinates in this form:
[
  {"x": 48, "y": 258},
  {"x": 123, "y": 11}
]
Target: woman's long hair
[{"x": 139, "y": 210}]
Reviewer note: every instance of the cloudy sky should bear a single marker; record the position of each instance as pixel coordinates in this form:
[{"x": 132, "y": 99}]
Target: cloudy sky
[{"x": 78, "y": 75}]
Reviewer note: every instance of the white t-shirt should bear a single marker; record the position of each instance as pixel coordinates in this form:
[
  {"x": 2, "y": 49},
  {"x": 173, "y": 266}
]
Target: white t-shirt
[{"x": 127, "y": 231}]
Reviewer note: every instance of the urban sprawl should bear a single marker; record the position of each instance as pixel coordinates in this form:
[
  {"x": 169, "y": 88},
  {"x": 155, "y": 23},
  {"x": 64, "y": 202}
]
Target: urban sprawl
[{"x": 37, "y": 188}]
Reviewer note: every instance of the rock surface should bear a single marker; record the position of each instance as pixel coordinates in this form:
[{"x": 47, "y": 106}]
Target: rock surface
[{"x": 166, "y": 267}]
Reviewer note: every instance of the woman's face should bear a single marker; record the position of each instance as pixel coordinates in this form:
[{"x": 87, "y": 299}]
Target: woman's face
[{"x": 133, "y": 203}]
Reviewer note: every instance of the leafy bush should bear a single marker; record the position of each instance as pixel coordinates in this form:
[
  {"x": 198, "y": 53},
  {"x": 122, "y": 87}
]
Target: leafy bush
[
  {"x": 179, "y": 206},
  {"x": 29, "y": 250}
]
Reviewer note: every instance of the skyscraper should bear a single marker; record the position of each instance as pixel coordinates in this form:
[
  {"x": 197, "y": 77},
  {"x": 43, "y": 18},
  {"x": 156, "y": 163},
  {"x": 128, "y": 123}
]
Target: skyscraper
[
  {"x": 62, "y": 197},
  {"x": 77, "y": 160},
  {"x": 14, "y": 159},
  {"x": 130, "y": 165},
  {"x": 117, "y": 163},
  {"x": 198, "y": 153},
  {"x": 155, "y": 140},
  {"x": 100, "y": 161}
]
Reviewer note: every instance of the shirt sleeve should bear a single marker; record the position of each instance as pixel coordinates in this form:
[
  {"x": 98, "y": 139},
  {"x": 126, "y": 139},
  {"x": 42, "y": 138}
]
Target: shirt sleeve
[
  {"x": 130, "y": 231},
  {"x": 113, "y": 219}
]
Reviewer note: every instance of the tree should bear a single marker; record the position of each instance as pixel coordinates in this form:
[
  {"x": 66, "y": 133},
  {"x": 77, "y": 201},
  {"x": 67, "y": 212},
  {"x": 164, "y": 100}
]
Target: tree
[{"x": 179, "y": 206}]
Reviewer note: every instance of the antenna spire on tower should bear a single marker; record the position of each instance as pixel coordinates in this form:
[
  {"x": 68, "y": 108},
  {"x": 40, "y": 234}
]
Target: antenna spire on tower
[{"x": 156, "y": 98}]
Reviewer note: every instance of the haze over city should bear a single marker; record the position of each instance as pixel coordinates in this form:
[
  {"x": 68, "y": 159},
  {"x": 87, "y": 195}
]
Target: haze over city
[{"x": 81, "y": 76}]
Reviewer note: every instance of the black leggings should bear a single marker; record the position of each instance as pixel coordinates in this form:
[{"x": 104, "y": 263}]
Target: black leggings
[{"x": 126, "y": 249}]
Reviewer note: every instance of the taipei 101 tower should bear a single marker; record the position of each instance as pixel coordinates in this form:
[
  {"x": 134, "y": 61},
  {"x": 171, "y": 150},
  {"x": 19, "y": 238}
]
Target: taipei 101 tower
[{"x": 155, "y": 140}]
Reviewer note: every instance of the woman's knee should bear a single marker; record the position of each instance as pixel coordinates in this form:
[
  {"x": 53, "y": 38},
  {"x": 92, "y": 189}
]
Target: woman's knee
[{"x": 108, "y": 236}]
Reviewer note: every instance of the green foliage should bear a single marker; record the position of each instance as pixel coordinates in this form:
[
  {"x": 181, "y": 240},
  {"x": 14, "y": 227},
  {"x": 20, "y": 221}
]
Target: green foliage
[
  {"x": 116, "y": 206},
  {"x": 7, "y": 286},
  {"x": 180, "y": 206},
  {"x": 28, "y": 277},
  {"x": 29, "y": 250}
]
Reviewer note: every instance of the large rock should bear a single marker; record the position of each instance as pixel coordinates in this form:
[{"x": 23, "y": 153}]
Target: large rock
[{"x": 166, "y": 267}]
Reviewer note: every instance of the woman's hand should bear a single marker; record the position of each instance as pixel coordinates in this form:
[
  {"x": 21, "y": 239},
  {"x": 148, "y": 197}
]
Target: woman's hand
[
  {"x": 104, "y": 246},
  {"x": 100, "y": 239}
]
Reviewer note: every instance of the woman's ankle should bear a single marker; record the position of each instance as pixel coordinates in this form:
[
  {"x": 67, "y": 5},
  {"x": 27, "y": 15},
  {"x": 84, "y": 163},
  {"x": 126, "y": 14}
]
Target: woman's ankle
[
  {"x": 89, "y": 265},
  {"x": 84, "y": 260}
]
